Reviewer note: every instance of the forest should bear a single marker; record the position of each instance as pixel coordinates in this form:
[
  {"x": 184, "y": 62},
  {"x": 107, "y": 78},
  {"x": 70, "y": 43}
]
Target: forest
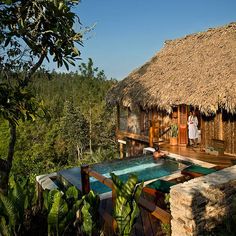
[{"x": 78, "y": 127}]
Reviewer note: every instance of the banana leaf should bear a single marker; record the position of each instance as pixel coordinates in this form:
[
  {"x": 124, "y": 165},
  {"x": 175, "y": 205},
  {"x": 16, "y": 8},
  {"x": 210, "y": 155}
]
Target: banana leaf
[
  {"x": 57, "y": 213},
  {"x": 72, "y": 192},
  {"x": 126, "y": 204}
]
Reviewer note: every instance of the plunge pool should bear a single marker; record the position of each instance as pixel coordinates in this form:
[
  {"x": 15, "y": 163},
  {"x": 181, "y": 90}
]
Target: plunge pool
[{"x": 144, "y": 167}]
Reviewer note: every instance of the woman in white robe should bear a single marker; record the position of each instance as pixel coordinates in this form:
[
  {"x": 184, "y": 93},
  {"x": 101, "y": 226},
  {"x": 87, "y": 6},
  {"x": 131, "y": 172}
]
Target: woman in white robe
[{"x": 192, "y": 128}]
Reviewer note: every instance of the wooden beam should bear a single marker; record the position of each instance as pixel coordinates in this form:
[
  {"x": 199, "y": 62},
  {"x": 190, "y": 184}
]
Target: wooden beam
[
  {"x": 108, "y": 182},
  {"x": 156, "y": 211},
  {"x": 122, "y": 135}
]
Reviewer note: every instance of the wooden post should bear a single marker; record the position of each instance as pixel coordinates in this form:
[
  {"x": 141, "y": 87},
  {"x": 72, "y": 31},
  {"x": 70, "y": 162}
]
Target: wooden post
[
  {"x": 221, "y": 136},
  {"x": 179, "y": 135},
  {"x": 154, "y": 210},
  {"x": 121, "y": 151},
  {"x": 40, "y": 195},
  {"x": 122, "y": 143},
  {"x": 85, "y": 178},
  {"x": 151, "y": 136},
  {"x": 151, "y": 130},
  {"x": 118, "y": 118}
]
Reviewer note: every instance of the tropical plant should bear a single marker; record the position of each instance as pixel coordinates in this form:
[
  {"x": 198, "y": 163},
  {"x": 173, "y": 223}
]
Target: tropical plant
[
  {"x": 16, "y": 208},
  {"x": 174, "y": 130},
  {"x": 126, "y": 203},
  {"x": 64, "y": 209},
  {"x": 87, "y": 215},
  {"x": 61, "y": 209}
]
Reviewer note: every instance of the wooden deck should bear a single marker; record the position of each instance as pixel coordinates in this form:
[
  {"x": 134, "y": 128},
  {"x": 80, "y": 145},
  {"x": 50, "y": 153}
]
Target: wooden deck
[
  {"x": 145, "y": 225},
  {"x": 195, "y": 153}
]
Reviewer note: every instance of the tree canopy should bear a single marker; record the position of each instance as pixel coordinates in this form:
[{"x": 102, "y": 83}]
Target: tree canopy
[{"x": 30, "y": 33}]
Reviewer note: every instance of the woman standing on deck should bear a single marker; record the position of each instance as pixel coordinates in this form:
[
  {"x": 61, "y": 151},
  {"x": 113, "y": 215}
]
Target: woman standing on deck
[{"x": 192, "y": 128}]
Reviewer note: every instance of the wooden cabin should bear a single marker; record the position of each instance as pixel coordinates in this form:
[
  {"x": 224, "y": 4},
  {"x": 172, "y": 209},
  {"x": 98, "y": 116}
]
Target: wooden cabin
[{"x": 197, "y": 72}]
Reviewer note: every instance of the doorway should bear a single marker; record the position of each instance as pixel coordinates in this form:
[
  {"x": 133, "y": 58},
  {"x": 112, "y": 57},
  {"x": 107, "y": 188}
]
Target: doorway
[{"x": 182, "y": 122}]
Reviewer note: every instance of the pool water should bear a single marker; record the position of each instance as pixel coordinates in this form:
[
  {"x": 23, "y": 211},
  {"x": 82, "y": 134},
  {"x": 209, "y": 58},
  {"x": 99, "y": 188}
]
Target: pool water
[{"x": 144, "y": 167}]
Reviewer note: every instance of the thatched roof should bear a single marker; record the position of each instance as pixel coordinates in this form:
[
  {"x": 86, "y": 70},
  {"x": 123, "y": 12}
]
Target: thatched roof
[{"x": 198, "y": 70}]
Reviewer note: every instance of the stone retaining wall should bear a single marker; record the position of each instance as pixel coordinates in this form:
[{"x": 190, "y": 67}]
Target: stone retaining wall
[{"x": 200, "y": 204}]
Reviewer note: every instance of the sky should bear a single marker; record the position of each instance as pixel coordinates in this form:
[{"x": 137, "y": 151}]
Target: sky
[{"x": 128, "y": 33}]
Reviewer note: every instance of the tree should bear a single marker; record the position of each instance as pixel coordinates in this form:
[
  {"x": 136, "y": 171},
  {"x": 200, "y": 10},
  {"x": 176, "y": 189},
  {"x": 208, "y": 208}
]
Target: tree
[
  {"x": 30, "y": 33},
  {"x": 74, "y": 130},
  {"x": 94, "y": 76}
]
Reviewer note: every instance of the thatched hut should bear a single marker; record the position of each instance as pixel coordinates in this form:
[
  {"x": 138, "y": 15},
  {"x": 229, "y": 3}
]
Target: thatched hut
[{"x": 197, "y": 71}]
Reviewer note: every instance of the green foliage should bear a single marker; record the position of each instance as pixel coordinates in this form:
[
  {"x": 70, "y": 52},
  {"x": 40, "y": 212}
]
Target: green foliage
[
  {"x": 29, "y": 32},
  {"x": 56, "y": 215},
  {"x": 5, "y": 228},
  {"x": 4, "y": 136},
  {"x": 72, "y": 193},
  {"x": 167, "y": 200},
  {"x": 73, "y": 131},
  {"x": 87, "y": 214},
  {"x": 174, "y": 130},
  {"x": 21, "y": 198},
  {"x": 27, "y": 27},
  {"x": 47, "y": 145},
  {"x": 126, "y": 203},
  {"x": 18, "y": 103},
  {"x": 166, "y": 228},
  {"x": 64, "y": 209},
  {"x": 60, "y": 213}
]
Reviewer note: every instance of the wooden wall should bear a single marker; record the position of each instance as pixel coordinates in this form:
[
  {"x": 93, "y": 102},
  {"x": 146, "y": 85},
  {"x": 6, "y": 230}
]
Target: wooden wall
[
  {"x": 135, "y": 147},
  {"x": 220, "y": 126},
  {"x": 229, "y": 132}
]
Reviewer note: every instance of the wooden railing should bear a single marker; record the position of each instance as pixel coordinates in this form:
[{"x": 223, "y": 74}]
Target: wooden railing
[
  {"x": 140, "y": 137},
  {"x": 154, "y": 210}
]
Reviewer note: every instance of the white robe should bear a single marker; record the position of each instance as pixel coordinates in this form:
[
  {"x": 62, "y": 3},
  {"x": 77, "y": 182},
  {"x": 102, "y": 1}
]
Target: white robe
[{"x": 192, "y": 127}]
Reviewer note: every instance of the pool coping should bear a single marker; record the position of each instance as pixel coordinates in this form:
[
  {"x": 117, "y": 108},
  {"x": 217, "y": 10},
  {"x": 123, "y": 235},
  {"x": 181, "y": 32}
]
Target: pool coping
[{"x": 191, "y": 160}]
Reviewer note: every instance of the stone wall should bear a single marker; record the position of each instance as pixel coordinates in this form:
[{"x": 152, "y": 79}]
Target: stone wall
[{"x": 200, "y": 204}]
